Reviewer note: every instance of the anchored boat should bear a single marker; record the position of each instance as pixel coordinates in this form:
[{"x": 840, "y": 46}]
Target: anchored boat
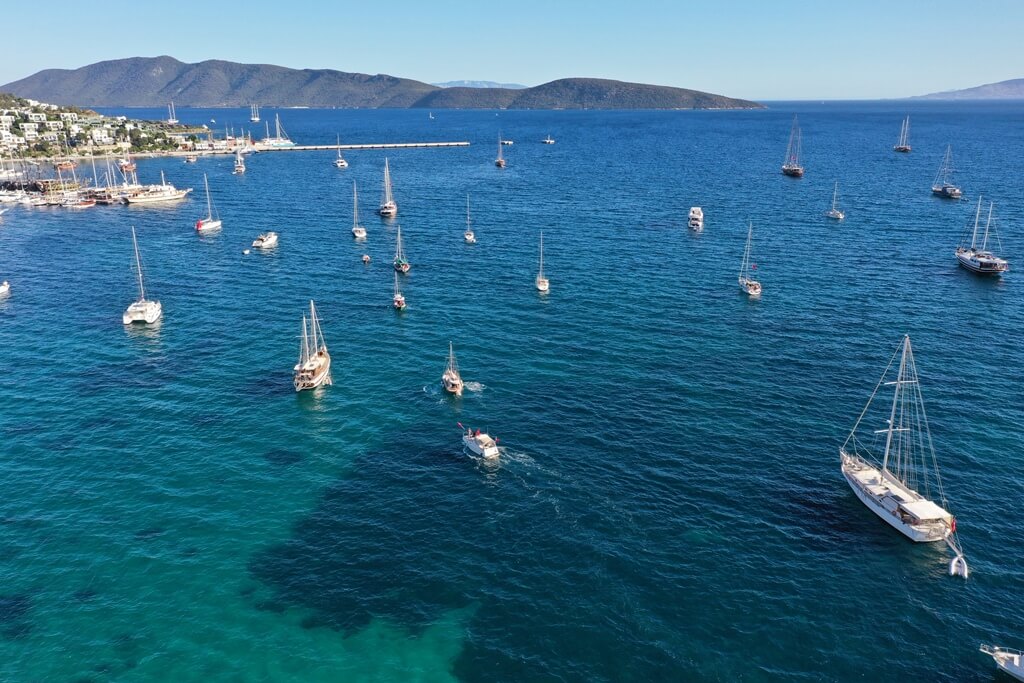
[
  {"x": 209, "y": 223},
  {"x": 500, "y": 161},
  {"x": 358, "y": 231},
  {"x": 401, "y": 263},
  {"x": 792, "y": 166},
  {"x": 696, "y": 219},
  {"x": 943, "y": 185},
  {"x": 903, "y": 144},
  {"x": 469, "y": 235},
  {"x": 314, "y": 366},
  {"x": 265, "y": 240},
  {"x": 540, "y": 281},
  {"x": 398, "y": 301},
  {"x": 479, "y": 443},
  {"x": 977, "y": 258},
  {"x": 142, "y": 310},
  {"x": 451, "y": 380},
  {"x": 748, "y": 284},
  {"x": 1009, "y": 660},
  {"x": 340, "y": 161},
  {"x": 388, "y": 207},
  {"x": 834, "y": 212}
]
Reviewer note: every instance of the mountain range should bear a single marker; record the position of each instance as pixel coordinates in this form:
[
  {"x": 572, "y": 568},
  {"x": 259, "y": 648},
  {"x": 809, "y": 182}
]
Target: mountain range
[
  {"x": 155, "y": 81},
  {"x": 1004, "y": 90},
  {"x": 479, "y": 84}
]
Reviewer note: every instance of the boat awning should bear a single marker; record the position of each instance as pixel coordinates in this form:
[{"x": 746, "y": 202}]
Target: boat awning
[{"x": 924, "y": 510}]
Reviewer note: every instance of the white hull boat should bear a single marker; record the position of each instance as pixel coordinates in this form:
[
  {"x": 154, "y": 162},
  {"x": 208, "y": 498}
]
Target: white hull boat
[
  {"x": 451, "y": 379},
  {"x": 208, "y": 224},
  {"x": 976, "y": 257},
  {"x": 265, "y": 241},
  {"x": 388, "y": 206},
  {"x": 748, "y": 284},
  {"x": 143, "y": 310},
  {"x": 943, "y": 185},
  {"x": 314, "y": 366},
  {"x": 340, "y": 161},
  {"x": 1008, "y": 660},
  {"x": 834, "y": 213},
  {"x": 480, "y": 444},
  {"x": 469, "y": 235},
  {"x": 540, "y": 282},
  {"x": 696, "y": 219},
  {"x": 358, "y": 231},
  {"x": 5, "y": 288}
]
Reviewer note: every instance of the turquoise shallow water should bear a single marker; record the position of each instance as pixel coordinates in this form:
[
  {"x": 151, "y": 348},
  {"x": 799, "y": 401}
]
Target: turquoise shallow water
[{"x": 669, "y": 504}]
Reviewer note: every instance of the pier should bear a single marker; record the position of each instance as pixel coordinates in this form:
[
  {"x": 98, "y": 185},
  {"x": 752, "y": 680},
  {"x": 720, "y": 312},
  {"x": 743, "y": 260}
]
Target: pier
[{"x": 379, "y": 145}]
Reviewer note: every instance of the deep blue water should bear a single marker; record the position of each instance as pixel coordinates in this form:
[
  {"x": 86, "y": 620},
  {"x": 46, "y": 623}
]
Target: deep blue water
[{"x": 669, "y": 504}]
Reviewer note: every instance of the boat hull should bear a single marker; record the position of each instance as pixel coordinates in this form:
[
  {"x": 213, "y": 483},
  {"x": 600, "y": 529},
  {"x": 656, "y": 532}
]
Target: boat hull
[
  {"x": 321, "y": 376},
  {"x": 981, "y": 266},
  {"x": 143, "y": 312},
  {"x": 901, "y": 148},
  {"x": 205, "y": 225},
  {"x": 793, "y": 171},
  {"x": 947, "y": 192}
]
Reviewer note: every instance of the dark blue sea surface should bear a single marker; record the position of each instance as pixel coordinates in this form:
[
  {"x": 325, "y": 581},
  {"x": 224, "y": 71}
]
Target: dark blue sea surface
[{"x": 668, "y": 505}]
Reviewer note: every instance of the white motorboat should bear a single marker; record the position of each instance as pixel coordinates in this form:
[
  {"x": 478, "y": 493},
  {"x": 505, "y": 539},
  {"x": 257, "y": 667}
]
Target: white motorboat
[
  {"x": 265, "y": 241},
  {"x": 977, "y": 258},
  {"x": 469, "y": 235},
  {"x": 340, "y": 161},
  {"x": 696, "y": 219},
  {"x": 451, "y": 380},
  {"x": 388, "y": 206},
  {"x": 748, "y": 284},
  {"x": 834, "y": 212},
  {"x": 1009, "y": 660},
  {"x": 889, "y": 485},
  {"x": 541, "y": 282},
  {"x": 5, "y": 288},
  {"x": 401, "y": 263},
  {"x": 209, "y": 223},
  {"x": 142, "y": 310},
  {"x": 943, "y": 185},
  {"x": 398, "y": 300},
  {"x": 314, "y": 366},
  {"x": 479, "y": 443},
  {"x": 358, "y": 231},
  {"x": 191, "y": 158}
]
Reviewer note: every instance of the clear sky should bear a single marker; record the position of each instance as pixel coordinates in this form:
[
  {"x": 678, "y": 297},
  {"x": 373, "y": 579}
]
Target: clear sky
[{"x": 756, "y": 49}]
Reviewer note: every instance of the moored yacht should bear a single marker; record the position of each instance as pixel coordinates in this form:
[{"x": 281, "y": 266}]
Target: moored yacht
[
  {"x": 239, "y": 163},
  {"x": 340, "y": 161},
  {"x": 451, "y": 380},
  {"x": 834, "y": 212},
  {"x": 151, "y": 194},
  {"x": 903, "y": 144},
  {"x": 265, "y": 240},
  {"x": 943, "y": 185},
  {"x": 398, "y": 300},
  {"x": 141, "y": 310},
  {"x": 209, "y": 223},
  {"x": 358, "y": 231},
  {"x": 469, "y": 235},
  {"x": 977, "y": 258},
  {"x": 314, "y": 366},
  {"x": 792, "y": 166},
  {"x": 540, "y": 282},
  {"x": 401, "y": 262},
  {"x": 748, "y": 284},
  {"x": 696, "y": 219},
  {"x": 500, "y": 161},
  {"x": 480, "y": 443},
  {"x": 388, "y": 206},
  {"x": 548, "y": 140}
]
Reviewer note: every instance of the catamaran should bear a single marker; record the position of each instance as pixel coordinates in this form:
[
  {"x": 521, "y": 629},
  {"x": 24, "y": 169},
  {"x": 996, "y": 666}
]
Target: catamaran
[
  {"x": 903, "y": 144},
  {"x": 340, "y": 161},
  {"x": 791, "y": 166},
  {"x": 239, "y": 163},
  {"x": 451, "y": 380},
  {"x": 358, "y": 231},
  {"x": 469, "y": 235},
  {"x": 314, "y": 366},
  {"x": 747, "y": 283},
  {"x": 977, "y": 258},
  {"x": 171, "y": 118},
  {"x": 890, "y": 486},
  {"x": 398, "y": 301},
  {"x": 1009, "y": 660},
  {"x": 500, "y": 161},
  {"x": 696, "y": 219},
  {"x": 834, "y": 212},
  {"x": 943, "y": 184},
  {"x": 540, "y": 281},
  {"x": 280, "y": 137},
  {"x": 209, "y": 223},
  {"x": 401, "y": 263},
  {"x": 388, "y": 207},
  {"x": 254, "y": 113},
  {"x": 142, "y": 310}
]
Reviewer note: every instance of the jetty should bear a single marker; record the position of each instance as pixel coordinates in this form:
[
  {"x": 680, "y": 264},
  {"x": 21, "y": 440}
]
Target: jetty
[{"x": 378, "y": 145}]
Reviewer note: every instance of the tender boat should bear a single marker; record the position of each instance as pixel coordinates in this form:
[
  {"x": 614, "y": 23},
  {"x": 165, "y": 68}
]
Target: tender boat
[
  {"x": 398, "y": 301},
  {"x": 388, "y": 206},
  {"x": 696, "y": 220},
  {"x": 748, "y": 284},
  {"x": 1008, "y": 660},
  {"x": 903, "y": 144},
  {"x": 507, "y": 142},
  {"x": 792, "y": 166},
  {"x": 834, "y": 212},
  {"x": 209, "y": 223},
  {"x": 541, "y": 282},
  {"x": 314, "y": 366},
  {"x": 401, "y": 263},
  {"x": 340, "y": 161},
  {"x": 358, "y": 231},
  {"x": 469, "y": 235},
  {"x": 548, "y": 140},
  {"x": 451, "y": 380},
  {"x": 500, "y": 161},
  {"x": 480, "y": 443},
  {"x": 142, "y": 310},
  {"x": 977, "y": 258},
  {"x": 265, "y": 241},
  {"x": 943, "y": 185},
  {"x": 888, "y": 485}
]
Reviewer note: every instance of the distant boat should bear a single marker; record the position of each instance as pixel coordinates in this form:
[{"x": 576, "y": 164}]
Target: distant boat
[
  {"x": 5, "y": 288},
  {"x": 191, "y": 158},
  {"x": 500, "y": 161},
  {"x": 943, "y": 184},
  {"x": 469, "y": 235},
  {"x": 151, "y": 194},
  {"x": 430, "y": 115},
  {"x": 548, "y": 140},
  {"x": 888, "y": 485},
  {"x": 254, "y": 113},
  {"x": 266, "y": 240},
  {"x": 834, "y": 212},
  {"x": 480, "y": 443},
  {"x": 399, "y": 299},
  {"x": 340, "y": 162},
  {"x": 1007, "y": 659},
  {"x": 507, "y": 142},
  {"x": 791, "y": 166},
  {"x": 451, "y": 380},
  {"x": 239, "y": 163},
  {"x": 903, "y": 144},
  {"x": 747, "y": 283},
  {"x": 280, "y": 137},
  {"x": 696, "y": 219},
  {"x": 142, "y": 310},
  {"x": 540, "y": 281},
  {"x": 209, "y": 223},
  {"x": 977, "y": 258},
  {"x": 388, "y": 207},
  {"x": 171, "y": 118},
  {"x": 358, "y": 231},
  {"x": 314, "y": 366},
  {"x": 401, "y": 263}
]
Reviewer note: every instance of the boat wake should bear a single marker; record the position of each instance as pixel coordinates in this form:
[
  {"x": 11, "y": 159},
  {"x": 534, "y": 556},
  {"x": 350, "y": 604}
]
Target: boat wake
[{"x": 475, "y": 387}]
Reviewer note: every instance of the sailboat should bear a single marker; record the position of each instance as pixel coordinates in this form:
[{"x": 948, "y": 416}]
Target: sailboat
[
  {"x": 340, "y": 162},
  {"x": 142, "y": 310},
  {"x": 314, "y": 366},
  {"x": 254, "y": 113},
  {"x": 451, "y": 380},
  {"x": 977, "y": 258},
  {"x": 540, "y": 281},
  {"x": 747, "y": 283},
  {"x": 209, "y": 223},
  {"x": 834, "y": 212},
  {"x": 890, "y": 486},
  {"x": 388, "y": 207},
  {"x": 358, "y": 231},
  {"x": 791, "y": 166},
  {"x": 280, "y": 137},
  {"x": 239, "y": 163},
  {"x": 903, "y": 145},
  {"x": 469, "y": 235},
  {"x": 548, "y": 140},
  {"x": 401, "y": 263},
  {"x": 399, "y": 299},
  {"x": 171, "y": 118},
  {"x": 943, "y": 184},
  {"x": 500, "y": 161}
]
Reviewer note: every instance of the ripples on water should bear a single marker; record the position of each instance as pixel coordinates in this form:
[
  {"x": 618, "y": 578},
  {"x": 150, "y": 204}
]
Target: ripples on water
[{"x": 668, "y": 504}]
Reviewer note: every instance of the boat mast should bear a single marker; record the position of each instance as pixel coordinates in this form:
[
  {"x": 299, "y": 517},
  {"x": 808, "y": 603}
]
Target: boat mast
[
  {"x": 895, "y": 402},
  {"x": 355, "y": 206},
  {"x": 977, "y": 215},
  {"x": 452, "y": 367},
  {"x": 304, "y": 347},
  {"x": 209, "y": 204},
  {"x": 540, "y": 271},
  {"x": 835, "y": 193},
  {"x": 468, "y": 222},
  {"x": 984, "y": 241},
  {"x": 398, "y": 245},
  {"x": 138, "y": 266},
  {"x": 387, "y": 182}
]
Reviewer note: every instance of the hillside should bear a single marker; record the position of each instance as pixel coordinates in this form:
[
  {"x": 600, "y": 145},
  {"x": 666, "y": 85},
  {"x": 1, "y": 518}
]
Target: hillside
[
  {"x": 155, "y": 81},
  {"x": 1004, "y": 90}
]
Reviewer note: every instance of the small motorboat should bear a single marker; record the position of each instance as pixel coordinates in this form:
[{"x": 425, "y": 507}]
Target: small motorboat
[
  {"x": 5, "y": 288},
  {"x": 1010, "y": 661},
  {"x": 366, "y": 258},
  {"x": 480, "y": 443},
  {"x": 265, "y": 241},
  {"x": 696, "y": 219}
]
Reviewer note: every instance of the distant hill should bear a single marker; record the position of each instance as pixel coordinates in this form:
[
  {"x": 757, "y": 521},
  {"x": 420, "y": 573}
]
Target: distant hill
[
  {"x": 479, "y": 84},
  {"x": 155, "y": 81},
  {"x": 1004, "y": 90}
]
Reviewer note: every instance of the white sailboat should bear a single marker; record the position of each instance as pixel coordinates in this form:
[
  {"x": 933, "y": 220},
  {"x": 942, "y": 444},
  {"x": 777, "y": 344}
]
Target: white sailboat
[
  {"x": 280, "y": 137},
  {"x": 834, "y": 212},
  {"x": 358, "y": 231},
  {"x": 977, "y": 258},
  {"x": 541, "y": 282},
  {"x": 209, "y": 223},
  {"x": 469, "y": 235},
  {"x": 903, "y": 144},
  {"x": 132, "y": 193},
  {"x": 340, "y": 161},
  {"x": 1007, "y": 659},
  {"x": 254, "y": 113},
  {"x": 890, "y": 486},
  {"x": 747, "y": 283},
  {"x": 451, "y": 380},
  {"x": 142, "y": 310},
  {"x": 943, "y": 184},
  {"x": 792, "y": 166},
  {"x": 172, "y": 119},
  {"x": 388, "y": 207},
  {"x": 314, "y": 366},
  {"x": 548, "y": 140},
  {"x": 401, "y": 262},
  {"x": 398, "y": 301},
  {"x": 239, "y": 163},
  {"x": 500, "y": 161}
]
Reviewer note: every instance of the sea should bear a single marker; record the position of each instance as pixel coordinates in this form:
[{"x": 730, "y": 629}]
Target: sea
[{"x": 668, "y": 503}]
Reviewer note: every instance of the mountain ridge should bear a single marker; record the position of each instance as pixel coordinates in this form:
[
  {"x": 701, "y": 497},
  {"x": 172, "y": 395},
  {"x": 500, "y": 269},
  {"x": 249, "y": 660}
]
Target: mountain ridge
[{"x": 1012, "y": 89}]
